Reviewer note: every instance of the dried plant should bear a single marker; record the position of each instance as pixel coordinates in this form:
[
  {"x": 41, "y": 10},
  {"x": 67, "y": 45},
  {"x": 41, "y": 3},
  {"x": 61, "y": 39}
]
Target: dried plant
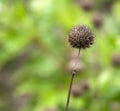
[{"x": 80, "y": 37}]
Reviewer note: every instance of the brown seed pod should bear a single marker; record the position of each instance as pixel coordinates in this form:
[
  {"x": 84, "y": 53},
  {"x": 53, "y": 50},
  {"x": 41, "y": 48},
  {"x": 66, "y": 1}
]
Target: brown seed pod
[
  {"x": 76, "y": 91},
  {"x": 116, "y": 60},
  {"x": 97, "y": 20},
  {"x": 80, "y": 37},
  {"x": 87, "y": 5},
  {"x": 71, "y": 64},
  {"x": 85, "y": 85}
]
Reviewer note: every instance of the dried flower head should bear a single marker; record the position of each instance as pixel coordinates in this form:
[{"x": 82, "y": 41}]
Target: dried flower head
[
  {"x": 87, "y": 5},
  {"x": 79, "y": 68},
  {"x": 116, "y": 60},
  {"x": 76, "y": 91},
  {"x": 97, "y": 19},
  {"x": 85, "y": 85},
  {"x": 80, "y": 37}
]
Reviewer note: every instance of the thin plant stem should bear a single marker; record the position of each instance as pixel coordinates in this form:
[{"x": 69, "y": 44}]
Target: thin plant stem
[
  {"x": 77, "y": 60},
  {"x": 73, "y": 74},
  {"x": 69, "y": 92}
]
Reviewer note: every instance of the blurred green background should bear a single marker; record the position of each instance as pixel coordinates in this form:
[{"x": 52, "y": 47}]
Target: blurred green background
[{"x": 36, "y": 58}]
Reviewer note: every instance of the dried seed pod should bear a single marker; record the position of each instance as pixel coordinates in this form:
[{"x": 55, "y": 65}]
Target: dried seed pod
[
  {"x": 87, "y": 5},
  {"x": 76, "y": 91},
  {"x": 85, "y": 85},
  {"x": 116, "y": 60},
  {"x": 80, "y": 37},
  {"x": 97, "y": 20},
  {"x": 71, "y": 64}
]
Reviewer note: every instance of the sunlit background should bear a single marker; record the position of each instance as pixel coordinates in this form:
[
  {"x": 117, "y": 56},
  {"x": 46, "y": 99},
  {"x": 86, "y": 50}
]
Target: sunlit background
[{"x": 36, "y": 59}]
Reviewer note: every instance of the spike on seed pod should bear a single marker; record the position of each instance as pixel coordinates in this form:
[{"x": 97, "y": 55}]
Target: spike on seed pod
[{"x": 80, "y": 37}]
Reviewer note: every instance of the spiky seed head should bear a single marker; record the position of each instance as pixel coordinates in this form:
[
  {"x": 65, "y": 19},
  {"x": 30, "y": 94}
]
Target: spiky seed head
[{"x": 81, "y": 37}]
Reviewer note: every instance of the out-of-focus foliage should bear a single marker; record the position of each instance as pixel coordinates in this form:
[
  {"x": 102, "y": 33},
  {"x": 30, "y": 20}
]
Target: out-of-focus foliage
[{"x": 35, "y": 55}]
